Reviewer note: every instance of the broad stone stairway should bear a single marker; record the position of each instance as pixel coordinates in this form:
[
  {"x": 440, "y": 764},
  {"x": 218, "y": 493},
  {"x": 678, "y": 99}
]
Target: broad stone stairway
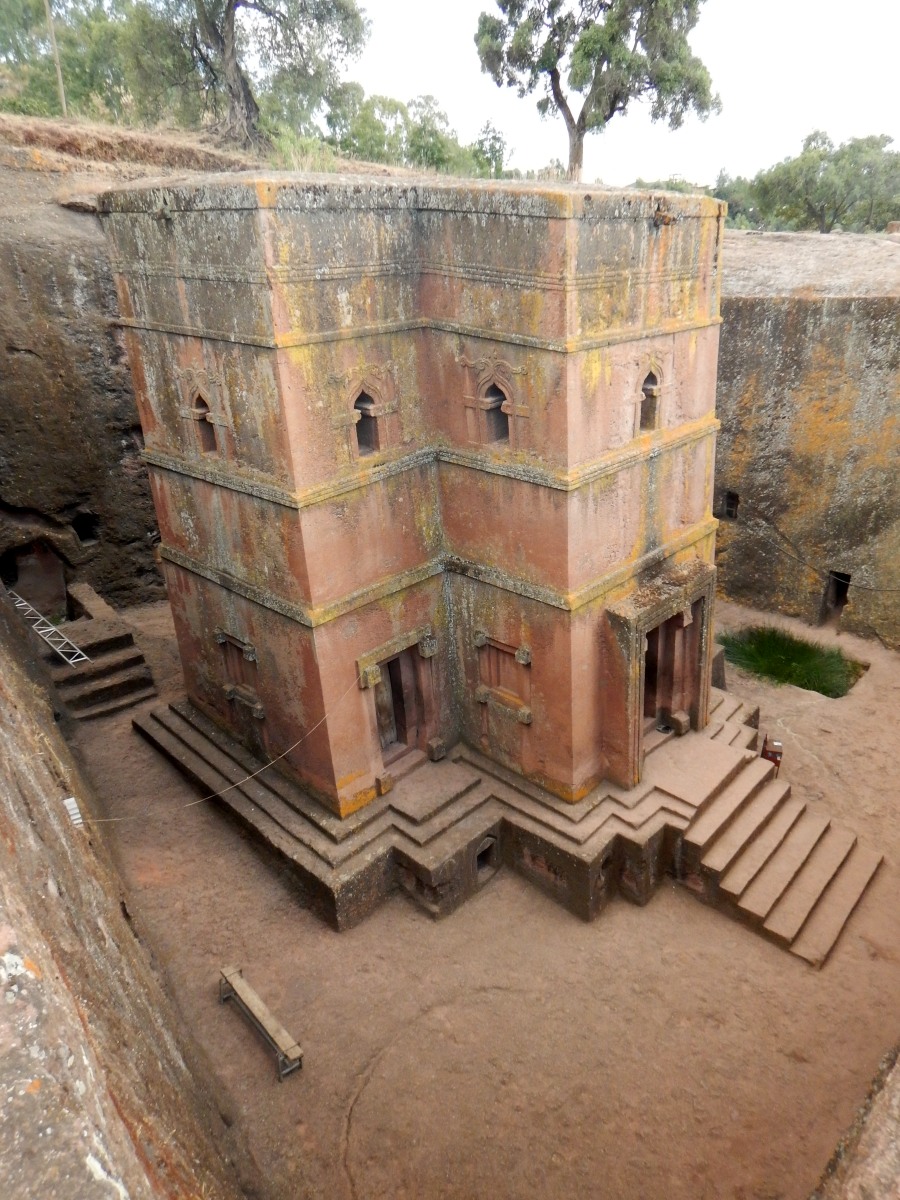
[
  {"x": 762, "y": 856},
  {"x": 707, "y": 810},
  {"x": 115, "y": 677}
]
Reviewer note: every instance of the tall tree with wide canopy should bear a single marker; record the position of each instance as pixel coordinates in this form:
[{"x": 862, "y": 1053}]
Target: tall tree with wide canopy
[
  {"x": 607, "y": 52},
  {"x": 304, "y": 41},
  {"x": 854, "y": 186},
  {"x": 187, "y": 60}
]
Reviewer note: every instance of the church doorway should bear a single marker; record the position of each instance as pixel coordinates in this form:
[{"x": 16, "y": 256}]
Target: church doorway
[
  {"x": 672, "y": 671},
  {"x": 398, "y": 706}
]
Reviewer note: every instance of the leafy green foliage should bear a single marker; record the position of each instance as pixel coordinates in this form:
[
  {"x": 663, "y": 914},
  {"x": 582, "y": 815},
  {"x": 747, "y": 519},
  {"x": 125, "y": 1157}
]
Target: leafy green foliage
[
  {"x": 489, "y": 151},
  {"x": 87, "y": 34},
  {"x": 740, "y": 195},
  {"x": 418, "y": 134},
  {"x": 673, "y": 184},
  {"x": 773, "y": 654},
  {"x": 609, "y": 52},
  {"x": 854, "y": 186},
  {"x": 180, "y": 60}
]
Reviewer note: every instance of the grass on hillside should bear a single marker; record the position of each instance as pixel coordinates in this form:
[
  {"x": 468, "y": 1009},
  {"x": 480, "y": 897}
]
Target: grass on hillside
[{"x": 779, "y": 656}]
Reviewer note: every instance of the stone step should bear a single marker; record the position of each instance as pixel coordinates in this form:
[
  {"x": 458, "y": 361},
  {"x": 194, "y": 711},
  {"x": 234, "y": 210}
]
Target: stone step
[
  {"x": 106, "y": 708},
  {"x": 182, "y": 742},
  {"x": 406, "y": 764},
  {"x": 718, "y": 814},
  {"x": 215, "y": 784},
  {"x": 827, "y": 920},
  {"x": 178, "y": 736},
  {"x": 678, "y": 813},
  {"x": 106, "y": 663},
  {"x": 758, "y": 900},
  {"x": 94, "y": 637},
  {"x": 336, "y": 828},
  {"x": 743, "y": 736},
  {"x": 726, "y": 707},
  {"x": 125, "y": 681},
  {"x": 654, "y": 738},
  {"x": 736, "y": 836},
  {"x": 751, "y": 860},
  {"x": 695, "y": 769},
  {"x": 786, "y": 919}
]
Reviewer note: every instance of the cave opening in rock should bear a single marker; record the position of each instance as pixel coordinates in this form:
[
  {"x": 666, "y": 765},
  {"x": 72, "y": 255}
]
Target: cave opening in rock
[{"x": 87, "y": 528}]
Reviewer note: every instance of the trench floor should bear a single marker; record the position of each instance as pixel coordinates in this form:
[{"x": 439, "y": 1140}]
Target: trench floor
[{"x": 511, "y": 1050}]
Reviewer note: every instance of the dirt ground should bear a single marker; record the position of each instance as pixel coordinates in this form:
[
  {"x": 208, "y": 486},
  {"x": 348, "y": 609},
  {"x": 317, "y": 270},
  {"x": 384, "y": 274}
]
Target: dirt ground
[{"x": 511, "y": 1050}]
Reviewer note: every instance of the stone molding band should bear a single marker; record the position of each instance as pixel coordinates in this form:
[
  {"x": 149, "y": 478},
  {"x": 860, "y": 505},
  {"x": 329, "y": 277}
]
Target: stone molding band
[
  {"x": 570, "y": 345},
  {"x": 695, "y": 431},
  {"x": 312, "y": 616}
]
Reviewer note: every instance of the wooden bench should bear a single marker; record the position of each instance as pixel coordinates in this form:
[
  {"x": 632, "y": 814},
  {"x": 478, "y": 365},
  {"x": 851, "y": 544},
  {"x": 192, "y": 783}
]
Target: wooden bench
[{"x": 233, "y": 986}]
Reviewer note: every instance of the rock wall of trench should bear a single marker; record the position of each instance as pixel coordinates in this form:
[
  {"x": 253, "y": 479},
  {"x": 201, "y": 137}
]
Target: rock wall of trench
[
  {"x": 99, "y": 1094},
  {"x": 71, "y": 477},
  {"x": 809, "y": 400}
]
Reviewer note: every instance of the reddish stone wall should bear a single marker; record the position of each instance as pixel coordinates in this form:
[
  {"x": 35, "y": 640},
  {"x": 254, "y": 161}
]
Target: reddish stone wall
[{"x": 482, "y": 540}]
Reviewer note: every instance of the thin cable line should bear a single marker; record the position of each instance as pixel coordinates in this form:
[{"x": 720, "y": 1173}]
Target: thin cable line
[
  {"x": 231, "y": 786},
  {"x": 866, "y": 587}
]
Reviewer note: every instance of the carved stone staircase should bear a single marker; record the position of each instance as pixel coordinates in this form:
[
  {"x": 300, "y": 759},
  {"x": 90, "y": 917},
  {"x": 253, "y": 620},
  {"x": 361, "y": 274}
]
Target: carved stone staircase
[
  {"x": 762, "y": 856},
  {"x": 115, "y": 675},
  {"x": 707, "y": 809}
]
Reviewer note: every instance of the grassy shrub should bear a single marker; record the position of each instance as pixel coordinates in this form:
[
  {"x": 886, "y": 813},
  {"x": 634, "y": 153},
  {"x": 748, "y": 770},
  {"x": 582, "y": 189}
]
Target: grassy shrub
[
  {"x": 292, "y": 152},
  {"x": 773, "y": 654}
]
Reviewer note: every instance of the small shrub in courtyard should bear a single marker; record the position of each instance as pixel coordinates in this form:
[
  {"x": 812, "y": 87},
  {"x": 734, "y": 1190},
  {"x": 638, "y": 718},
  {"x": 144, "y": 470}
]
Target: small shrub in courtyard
[{"x": 779, "y": 656}]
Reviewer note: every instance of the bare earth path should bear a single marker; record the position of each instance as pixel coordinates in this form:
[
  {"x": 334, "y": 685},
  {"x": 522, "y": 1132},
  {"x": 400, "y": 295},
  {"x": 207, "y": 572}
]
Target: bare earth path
[{"x": 511, "y": 1050}]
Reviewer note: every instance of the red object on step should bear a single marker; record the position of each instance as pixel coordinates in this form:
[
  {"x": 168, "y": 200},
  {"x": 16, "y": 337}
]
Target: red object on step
[{"x": 772, "y": 751}]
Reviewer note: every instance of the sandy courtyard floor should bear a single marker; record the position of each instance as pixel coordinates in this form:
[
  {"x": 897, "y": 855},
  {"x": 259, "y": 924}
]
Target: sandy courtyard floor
[{"x": 512, "y": 1051}]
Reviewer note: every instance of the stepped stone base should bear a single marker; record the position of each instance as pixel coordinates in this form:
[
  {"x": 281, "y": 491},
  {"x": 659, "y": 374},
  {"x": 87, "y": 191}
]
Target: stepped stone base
[{"x": 446, "y": 827}]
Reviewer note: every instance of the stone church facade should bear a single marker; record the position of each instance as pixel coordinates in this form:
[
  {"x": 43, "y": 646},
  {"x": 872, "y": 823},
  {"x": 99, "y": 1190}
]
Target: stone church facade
[{"x": 432, "y": 461}]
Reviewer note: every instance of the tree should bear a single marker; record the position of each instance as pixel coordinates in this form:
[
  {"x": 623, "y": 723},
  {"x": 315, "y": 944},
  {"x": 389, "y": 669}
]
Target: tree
[
  {"x": 303, "y": 41},
  {"x": 610, "y": 52},
  {"x": 87, "y": 36},
  {"x": 430, "y": 141},
  {"x": 372, "y": 129},
  {"x": 186, "y": 60},
  {"x": 855, "y": 186},
  {"x": 489, "y": 150},
  {"x": 740, "y": 195}
]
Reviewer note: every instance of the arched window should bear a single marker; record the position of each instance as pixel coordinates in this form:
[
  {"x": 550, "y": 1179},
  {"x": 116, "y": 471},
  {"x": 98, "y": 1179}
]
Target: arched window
[
  {"x": 206, "y": 430},
  {"x": 366, "y": 425},
  {"x": 650, "y": 402},
  {"x": 496, "y": 421}
]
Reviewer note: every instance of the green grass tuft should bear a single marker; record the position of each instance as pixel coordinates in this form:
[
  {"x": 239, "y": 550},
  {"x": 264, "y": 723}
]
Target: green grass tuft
[{"x": 773, "y": 654}]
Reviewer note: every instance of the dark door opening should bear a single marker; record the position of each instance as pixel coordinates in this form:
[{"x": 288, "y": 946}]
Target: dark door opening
[
  {"x": 672, "y": 672},
  {"x": 835, "y": 598},
  {"x": 397, "y": 706},
  {"x": 651, "y": 672},
  {"x": 37, "y": 574}
]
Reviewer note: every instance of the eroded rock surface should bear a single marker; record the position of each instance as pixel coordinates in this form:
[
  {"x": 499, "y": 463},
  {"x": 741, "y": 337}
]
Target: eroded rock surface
[
  {"x": 807, "y": 486},
  {"x": 98, "y": 1094},
  {"x": 72, "y": 483}
]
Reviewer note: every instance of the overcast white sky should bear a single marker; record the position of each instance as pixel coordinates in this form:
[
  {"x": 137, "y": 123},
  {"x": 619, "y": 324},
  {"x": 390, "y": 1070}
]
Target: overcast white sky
[{"x": 781, "y": 67}]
